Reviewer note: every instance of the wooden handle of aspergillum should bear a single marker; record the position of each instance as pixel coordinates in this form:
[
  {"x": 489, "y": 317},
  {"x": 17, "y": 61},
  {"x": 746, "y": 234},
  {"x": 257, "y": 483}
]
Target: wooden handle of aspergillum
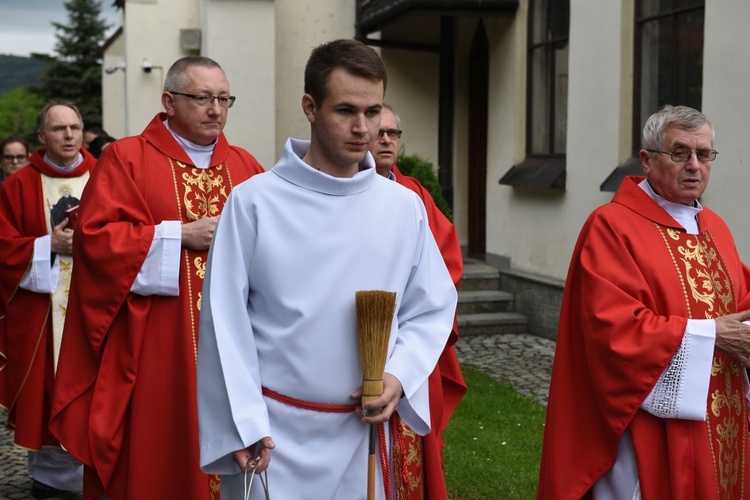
[{"x": 371, "y": 477}]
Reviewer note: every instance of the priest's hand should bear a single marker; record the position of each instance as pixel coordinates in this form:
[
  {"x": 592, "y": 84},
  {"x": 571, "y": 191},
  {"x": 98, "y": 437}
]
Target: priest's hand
[
  {"x": 387, "y": 402},
  {"x": 62, "y": 239},
  {"x": 197, "y": 235},
  {"x": 733, "y": 336},
  {"x": 258, "y": 454}
]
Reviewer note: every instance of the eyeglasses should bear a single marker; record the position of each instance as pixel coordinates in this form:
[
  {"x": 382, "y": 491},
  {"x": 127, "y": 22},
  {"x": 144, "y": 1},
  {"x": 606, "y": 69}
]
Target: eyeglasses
[
  {"x": 10, "y": 158},
  {"x": 682, "y": 155},
  {"x": 204, "y": 100},
  {"x": 393, "y": 133}
]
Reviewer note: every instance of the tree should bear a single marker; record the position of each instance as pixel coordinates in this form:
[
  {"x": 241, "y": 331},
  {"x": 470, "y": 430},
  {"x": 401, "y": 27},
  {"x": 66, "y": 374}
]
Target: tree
[
  {"x": 18, "y": 109},
  {"x": 76, "y": 74}
]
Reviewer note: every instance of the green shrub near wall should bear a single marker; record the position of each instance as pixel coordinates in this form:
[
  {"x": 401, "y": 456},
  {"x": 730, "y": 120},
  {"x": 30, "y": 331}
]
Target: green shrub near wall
[{"x": 422, "y": 170}]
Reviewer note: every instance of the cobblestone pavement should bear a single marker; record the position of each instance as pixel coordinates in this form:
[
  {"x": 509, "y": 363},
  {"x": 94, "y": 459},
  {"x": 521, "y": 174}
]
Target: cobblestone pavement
[
  {"x": 524, "y": 361},
  {"x": 15, "y": 481}
]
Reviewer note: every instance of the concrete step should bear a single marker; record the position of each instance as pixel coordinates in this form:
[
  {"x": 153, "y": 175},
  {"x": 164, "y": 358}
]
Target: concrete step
[
  {"x": 492, "y": 323},
  {"x": 484, "y": 301},
  {"x": 479, "y": 276}
]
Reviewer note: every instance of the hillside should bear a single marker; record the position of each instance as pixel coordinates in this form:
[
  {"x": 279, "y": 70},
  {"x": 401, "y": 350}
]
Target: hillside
[{"x": 16, "y": 71}]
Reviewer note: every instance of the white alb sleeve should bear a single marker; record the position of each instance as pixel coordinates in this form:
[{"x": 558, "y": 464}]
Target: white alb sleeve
[
  {"x": 43, "y": 273},
  {"x": 160, "y": 273},
  {"x": 682, "y": 389}
]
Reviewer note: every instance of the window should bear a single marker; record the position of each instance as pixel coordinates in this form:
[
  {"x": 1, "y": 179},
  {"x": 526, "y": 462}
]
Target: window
[
  {"x": 549, "y": 23},
  {"x": 669, "y": 57},
  {"x": 668, "y": 67},
  {"x": 547, "y": 98}
]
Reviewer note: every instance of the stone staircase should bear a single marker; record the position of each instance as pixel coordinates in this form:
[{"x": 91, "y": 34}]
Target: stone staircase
[{"x": 483, "y": 308}]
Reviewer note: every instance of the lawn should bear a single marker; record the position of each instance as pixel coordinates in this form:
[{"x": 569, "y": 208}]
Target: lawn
[{"x": 493, "y": 443}]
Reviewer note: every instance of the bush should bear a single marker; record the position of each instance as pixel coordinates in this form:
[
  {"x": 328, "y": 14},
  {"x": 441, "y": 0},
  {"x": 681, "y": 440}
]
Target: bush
[{"x": 422, "y": 170}]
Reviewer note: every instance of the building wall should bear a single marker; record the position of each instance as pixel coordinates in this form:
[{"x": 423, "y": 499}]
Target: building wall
[
  {"x": 413, "y": 93},
  {"x": 264, "y": 44},
  {"x": 240, "y": 37},
  {"x": 537, "y": 229},
  {"x": 300, "y": 27},
  {"x": 725, "y": 102},
  {"x": 152, "y": 32},
  {"x": 113, "y": 88},
  {"x": 238, "y": 34}
]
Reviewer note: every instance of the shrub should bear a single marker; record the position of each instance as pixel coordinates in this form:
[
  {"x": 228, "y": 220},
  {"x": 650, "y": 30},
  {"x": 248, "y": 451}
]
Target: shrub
[{"x": 422, "y": 170}]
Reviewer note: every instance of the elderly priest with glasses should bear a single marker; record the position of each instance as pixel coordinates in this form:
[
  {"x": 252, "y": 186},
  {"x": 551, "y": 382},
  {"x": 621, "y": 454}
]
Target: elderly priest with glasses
[
  {"x": 648, "y": 391},
  {"x": 125, "y": 399}
]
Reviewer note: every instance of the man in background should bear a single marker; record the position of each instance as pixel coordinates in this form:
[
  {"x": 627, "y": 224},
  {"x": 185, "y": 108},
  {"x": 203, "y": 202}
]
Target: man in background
[
  {"x": 91, "y": 133},
  {"x": 36, "y": 251},
  {"x": 125, "y": 395},
  {"x": 447, "y": 385}
]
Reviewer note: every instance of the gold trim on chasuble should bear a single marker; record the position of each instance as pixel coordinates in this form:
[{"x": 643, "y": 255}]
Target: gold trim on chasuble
[
  {"x": 199, "y": 193},
  {"x": 60, "y": 194},
  {"x": 408, "y": 461},
  {"x": 708, "y": 292}
]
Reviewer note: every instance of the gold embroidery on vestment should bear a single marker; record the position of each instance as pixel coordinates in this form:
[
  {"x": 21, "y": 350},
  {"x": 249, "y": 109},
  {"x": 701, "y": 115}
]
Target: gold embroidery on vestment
[
  {"x": 214, "y": 486},
  {"x": 708, "y": 290},
  {"x": 203, "y": 202},
  {"x": 205, "y": 192}
]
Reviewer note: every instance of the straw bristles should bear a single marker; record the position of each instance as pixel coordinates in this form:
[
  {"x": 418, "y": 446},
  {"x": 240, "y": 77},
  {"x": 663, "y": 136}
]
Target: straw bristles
[{"x": 375, "y": 309}]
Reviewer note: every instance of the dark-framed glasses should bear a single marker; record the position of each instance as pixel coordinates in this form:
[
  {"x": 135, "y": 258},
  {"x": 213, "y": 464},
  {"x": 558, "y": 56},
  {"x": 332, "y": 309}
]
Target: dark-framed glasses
[
  {"x": 682, "y": 155},
  {"x": 203, "y": 100},
  {"x": 10, "y": 158},
  {"x": 393, "y": 133}
]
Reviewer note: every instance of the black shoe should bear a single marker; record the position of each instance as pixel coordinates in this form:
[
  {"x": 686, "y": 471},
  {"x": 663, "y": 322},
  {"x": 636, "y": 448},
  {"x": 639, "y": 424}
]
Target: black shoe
[{"x": 41, "y": 490}]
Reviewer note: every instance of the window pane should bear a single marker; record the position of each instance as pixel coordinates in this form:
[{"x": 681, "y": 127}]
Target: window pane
[
  {"x": 690, "y": 59},
  {"x": 540, "y": 102},
  {"x": 681, "y": 4},
  {"x": 561, "y": 99},
  {"x": 657, "y": 66},
  {"x": 657, "y": 7},
  {"x": 551, "y": 20}
]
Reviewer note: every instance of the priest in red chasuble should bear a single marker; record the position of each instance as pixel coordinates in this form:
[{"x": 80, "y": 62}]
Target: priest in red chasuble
[
  {"x": 35, "y": 249},
  {"x": 648, "y": 391},
  {"x": 447, "y": 385},
  {"x": 125, "y": 397}
]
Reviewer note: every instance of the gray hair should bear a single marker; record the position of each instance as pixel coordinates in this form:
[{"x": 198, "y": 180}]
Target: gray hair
[
  {"x": 390, "y": 108},
  {"x": 177, "y": 78},
  {"x": 41, "y": 117},
  {"x": 682, "y": 117}
]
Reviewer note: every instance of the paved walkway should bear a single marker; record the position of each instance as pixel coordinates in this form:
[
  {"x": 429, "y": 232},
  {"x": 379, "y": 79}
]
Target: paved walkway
[{"x": 523, "y": 361}]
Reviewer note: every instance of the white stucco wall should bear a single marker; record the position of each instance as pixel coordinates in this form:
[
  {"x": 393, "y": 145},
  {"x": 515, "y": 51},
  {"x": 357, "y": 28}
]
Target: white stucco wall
[
  {"x": 113, "y": 88},
  {"x": 725, "y": 70},
  {"x": 535, "y": 228},
  {"x": 241, "y": 35},
  {"x": 300, "y": 27},
  {"x": 413, "y": 93},
  {"x": 152, "y": 32}
]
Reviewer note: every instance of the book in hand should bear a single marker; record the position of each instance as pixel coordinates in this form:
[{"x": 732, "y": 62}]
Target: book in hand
[{"x": 72, "y": 215}]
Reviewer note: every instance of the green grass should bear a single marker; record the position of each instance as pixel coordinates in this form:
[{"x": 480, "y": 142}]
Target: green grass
[{"x": 493, "y": 443}]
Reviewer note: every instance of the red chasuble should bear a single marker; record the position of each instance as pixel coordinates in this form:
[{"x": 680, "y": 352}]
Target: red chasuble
[
  {"x": 635, "y": 278},
  {"x": 26, "y": 367},
  {"x": 447, "y": 385},
  {"x": 125, "y": 394}
]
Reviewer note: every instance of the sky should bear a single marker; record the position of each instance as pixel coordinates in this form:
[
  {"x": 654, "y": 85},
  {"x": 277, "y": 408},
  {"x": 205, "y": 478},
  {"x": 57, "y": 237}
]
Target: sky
[{"x": 25, "y": 24}]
